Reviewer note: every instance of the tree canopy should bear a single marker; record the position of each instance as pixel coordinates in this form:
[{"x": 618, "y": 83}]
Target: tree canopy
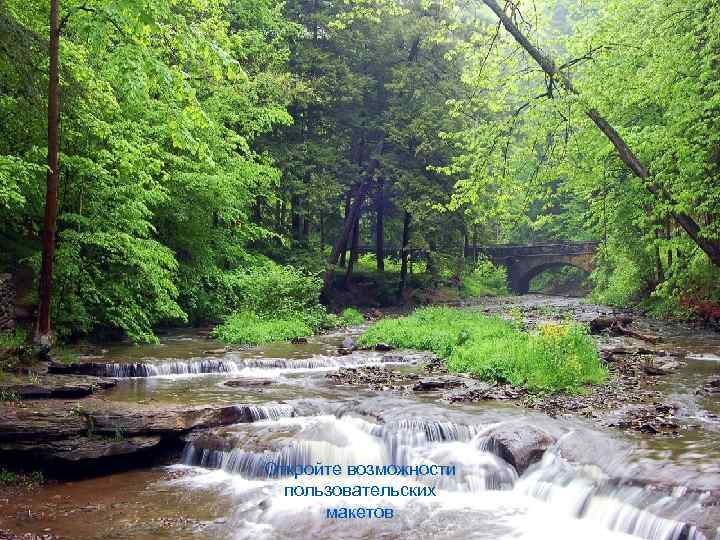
[{"x": 201, "y": 141}]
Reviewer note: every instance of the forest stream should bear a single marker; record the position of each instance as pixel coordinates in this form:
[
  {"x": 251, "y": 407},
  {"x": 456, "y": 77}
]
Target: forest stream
[{"x": 564, "y": 474}]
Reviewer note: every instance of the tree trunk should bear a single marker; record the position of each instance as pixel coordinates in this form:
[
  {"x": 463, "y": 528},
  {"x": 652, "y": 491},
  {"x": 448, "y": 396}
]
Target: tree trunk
[
  {"x": 627, "y": 156},
  {"x": 659, "y": 274},
  {"x": 306, "y": 228},
  {"x": 257, "y": 211},
  {"x": 466, "y": 243},
  {"x": 44, "y": 334},
  {"x": 352, "y": 216},
  {"x": 353, "y": 252},
  {"x": 295, "y": 202},
  {"x": 404, "y": 253},
  {"x": 380, "y": 226},
  {"x": 348, "y": 200},
  {"x": 322, "y": 232}
]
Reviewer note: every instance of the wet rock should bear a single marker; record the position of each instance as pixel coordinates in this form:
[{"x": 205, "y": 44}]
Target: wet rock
[
  {"x": 77, "y": 368},
  {"x": 48, "y": 431},
  {"x": 439, "y": 383},
  {"x": 649, "y": 419},
  {"x": 660, "y": 365},
  {"x": 602, "y": 324},
  {"x": 436, "y": 366},
  {"x": 376, "y": 377},
  {"x": 59, "y": 387},
  {"x": 481, "y": 391},
  {"x": 248, "y": 381},
  {"x": 521, "y": 445},
  {"x": 704, "y": 357},
  {"x": 408, "y": 358},
  {"x": 342, "y": 351},
  {"x": 712, "y": 386},
  {"x": 215, "y": 351},
  {"x": 383, "y": 347},
  {"x": 348, "y": 343},
  {"x": 298, "y": 340}
]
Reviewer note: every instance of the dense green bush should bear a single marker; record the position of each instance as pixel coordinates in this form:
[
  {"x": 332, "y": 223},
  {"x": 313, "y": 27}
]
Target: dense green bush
[
  {"x": 272, "y": 303},
  {"x": 556, "y": 357},
  {"x": 263, "y": 287},
  {"x": 248, "y": 328},
  {"x": 352, "y": 317},
  {"x": 486, "y": 279}
]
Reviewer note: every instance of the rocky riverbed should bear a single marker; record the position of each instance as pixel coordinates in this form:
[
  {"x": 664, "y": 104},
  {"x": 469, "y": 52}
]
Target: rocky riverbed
[{"x": 653, "y": 425}]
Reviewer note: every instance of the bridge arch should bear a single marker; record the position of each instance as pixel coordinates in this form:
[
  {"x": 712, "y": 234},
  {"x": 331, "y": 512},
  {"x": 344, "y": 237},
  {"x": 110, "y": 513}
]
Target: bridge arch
[
  {"x": 520, "y": 283},
  {"x": 523, "y": 263}
]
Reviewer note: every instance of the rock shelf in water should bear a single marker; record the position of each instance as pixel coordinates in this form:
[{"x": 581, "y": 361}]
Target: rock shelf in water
[{"x": 55, "y": 433}]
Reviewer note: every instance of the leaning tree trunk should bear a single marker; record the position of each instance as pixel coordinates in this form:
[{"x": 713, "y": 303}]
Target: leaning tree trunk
[
  {"x": 627, "y": 156},
  {"x": 362, "y": 192},
  {"x": 44, "y": 334},
  {"x": 404, "y": 253},
  {"x": 380, "y": 226}
]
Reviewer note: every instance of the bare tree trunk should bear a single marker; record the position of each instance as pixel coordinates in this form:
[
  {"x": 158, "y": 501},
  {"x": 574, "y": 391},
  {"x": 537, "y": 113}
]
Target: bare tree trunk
[
  {"x": 627, "y": 156},
  {"x": 352, "y": 216},
  {"x": 404, "y": 253},
  {"x": 353, "y": 252},
  {"x": 380, "y": 226},
  {"x": 44, "y": 334},
  {"x": 348, "y": 200}
]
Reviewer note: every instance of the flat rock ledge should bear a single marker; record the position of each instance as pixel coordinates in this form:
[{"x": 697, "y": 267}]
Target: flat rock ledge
[
  {"x": 58, "y": 387},
  {"x": 92, "y": 435}
]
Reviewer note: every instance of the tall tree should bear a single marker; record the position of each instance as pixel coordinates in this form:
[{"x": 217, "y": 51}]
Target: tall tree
[{"x": 44, "y": 333}]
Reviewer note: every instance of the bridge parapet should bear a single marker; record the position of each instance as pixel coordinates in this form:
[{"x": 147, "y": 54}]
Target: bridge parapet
[{"x": 539, "y": 250}]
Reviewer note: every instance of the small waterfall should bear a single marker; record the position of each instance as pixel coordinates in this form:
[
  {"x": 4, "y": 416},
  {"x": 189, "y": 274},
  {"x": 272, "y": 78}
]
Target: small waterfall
[
  {"x": 587, "y": 494},
  {"x": 403, "y": 435},
  {"x": 210, "y": 365},
  {"x": 352, "y": 441},
  {"x": 142, "y": 369},
  {"x": 256, "y": 413}
]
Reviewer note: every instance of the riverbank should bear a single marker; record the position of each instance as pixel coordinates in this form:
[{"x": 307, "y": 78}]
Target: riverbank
[{"x": 189, "y": 400}]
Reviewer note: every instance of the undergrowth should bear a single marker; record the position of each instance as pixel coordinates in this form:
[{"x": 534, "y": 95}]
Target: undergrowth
[{"x": 553, "y": 358}]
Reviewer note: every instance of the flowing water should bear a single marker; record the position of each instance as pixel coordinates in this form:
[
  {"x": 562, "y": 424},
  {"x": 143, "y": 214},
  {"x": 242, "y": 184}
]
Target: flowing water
[{"x": 594, "y": 483}]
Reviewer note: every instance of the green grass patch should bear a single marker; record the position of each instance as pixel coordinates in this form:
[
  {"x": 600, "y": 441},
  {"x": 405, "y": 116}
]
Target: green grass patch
[
  {"x": 13, "y": 340},
  {"x": 251, "y": 329},
  {"x": 553, "y": 358},
  {"x": 352, "y": 317}
]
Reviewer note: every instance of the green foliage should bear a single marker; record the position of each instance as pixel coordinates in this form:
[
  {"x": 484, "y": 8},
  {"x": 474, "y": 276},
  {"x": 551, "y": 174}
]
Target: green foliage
[
  {"x": 10, "y": 478},
  {"x": 554, "y": 358},
  {"x": 263, "y": 287},
  {"x": 162, "y": 105},
  {"x": 248, "y": 328},
  {"x": 368, "y": 263},
  {"x": 8, "y": 395},
  {"x": 13, "y": 340},
  {"x": 278, "y": 303},
  {"x": 352, "y": 317},
  {"x": 561, "y": 281},
  {"x": 486, "y": 279}
]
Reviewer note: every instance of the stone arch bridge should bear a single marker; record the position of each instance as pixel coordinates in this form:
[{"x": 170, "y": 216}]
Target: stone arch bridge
[{"x": 523, "y": 263}]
